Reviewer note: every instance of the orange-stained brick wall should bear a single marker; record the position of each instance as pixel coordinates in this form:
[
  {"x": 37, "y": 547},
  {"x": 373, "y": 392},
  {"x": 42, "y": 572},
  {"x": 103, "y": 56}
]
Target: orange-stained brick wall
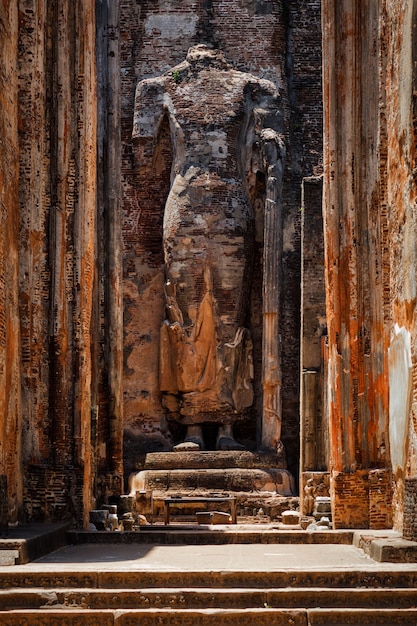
[
  {"x": 10, "y": 372},
  {"x": 278, "y": 40}
]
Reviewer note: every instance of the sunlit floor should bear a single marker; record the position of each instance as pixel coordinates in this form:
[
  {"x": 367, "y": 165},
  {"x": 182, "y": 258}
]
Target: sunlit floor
[{"x": 229, "y": 557}]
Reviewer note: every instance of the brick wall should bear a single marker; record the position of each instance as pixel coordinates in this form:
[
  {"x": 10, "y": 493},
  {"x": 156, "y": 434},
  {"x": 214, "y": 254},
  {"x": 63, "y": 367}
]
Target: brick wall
[
  {"x": 53, "y": 494},
  {"x": 350, "y": 499},
  {"x": 362, "y": 499},
  {"x": 282, "y": 43},
  {"x": 380, "y": 499}
]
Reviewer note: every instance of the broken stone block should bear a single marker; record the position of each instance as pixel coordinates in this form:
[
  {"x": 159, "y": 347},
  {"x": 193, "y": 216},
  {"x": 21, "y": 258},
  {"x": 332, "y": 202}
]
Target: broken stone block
[{"x": 290, "y": 517}]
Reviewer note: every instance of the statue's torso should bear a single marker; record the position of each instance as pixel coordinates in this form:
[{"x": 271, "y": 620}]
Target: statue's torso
[{"x": 208, "y": 217}]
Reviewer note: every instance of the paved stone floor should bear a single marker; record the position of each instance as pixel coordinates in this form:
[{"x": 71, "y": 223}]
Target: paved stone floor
[{"x": 229, "y": 557}]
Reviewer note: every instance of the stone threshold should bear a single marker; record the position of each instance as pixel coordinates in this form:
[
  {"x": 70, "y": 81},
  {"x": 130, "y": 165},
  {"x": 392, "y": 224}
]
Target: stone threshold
[{"x": 26, "y": 542}]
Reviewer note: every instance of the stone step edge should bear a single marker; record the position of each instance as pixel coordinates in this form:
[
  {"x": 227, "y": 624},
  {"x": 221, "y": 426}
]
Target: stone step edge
[
  {"x": 150, "y": 617},
  {"x": 220, "y": 459},
  {"x": 264, "y": 617},
  {"x": 192, "y": 598},
  {"x": 203, "y": 535},
  {"x": 14, "y": 578},
  {"x": 208, "y": 589}
]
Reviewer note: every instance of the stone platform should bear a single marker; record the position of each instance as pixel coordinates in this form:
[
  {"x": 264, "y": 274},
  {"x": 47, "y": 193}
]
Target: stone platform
[{"x": 257, "y": 480}]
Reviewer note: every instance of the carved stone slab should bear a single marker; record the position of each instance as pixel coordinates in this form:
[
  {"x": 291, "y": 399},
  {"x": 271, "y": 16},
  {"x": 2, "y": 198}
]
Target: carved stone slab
[{"x": 214, "y": 459}]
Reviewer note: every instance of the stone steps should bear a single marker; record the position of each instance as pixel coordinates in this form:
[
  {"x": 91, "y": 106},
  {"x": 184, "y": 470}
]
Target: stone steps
[
  {"x": 211, "y": 617},
  {"x": 76, "y": 593},
  {"x": 270, "y": 490},
  {"x": 259, "y": 481},
  {"x": 330, "y": 597}
]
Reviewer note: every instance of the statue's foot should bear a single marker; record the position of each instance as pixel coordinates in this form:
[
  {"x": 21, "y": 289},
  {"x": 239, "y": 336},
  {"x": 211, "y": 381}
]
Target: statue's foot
[
  {"x": 193, "y": 439},
  {"x": 228, "y": 443},
  {"x": 225, "y": 439}
]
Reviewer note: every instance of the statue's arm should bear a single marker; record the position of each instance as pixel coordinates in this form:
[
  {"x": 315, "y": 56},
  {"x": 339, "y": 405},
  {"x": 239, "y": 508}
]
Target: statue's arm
[
  {"x": 149, "y": 109},
  {"x": 265, "y": 134},
  {"x": 273, "y": 152}
]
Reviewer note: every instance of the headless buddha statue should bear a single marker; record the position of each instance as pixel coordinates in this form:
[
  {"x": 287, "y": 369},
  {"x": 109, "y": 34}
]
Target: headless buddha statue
[{"x": 219, "y": 120}]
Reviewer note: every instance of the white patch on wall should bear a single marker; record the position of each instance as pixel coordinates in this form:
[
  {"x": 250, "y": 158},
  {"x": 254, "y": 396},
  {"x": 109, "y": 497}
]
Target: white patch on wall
[
  {"x": 171, "y": 25},
  {"x": 399, "y": 359},
  {"x": 218, "y": 144}
]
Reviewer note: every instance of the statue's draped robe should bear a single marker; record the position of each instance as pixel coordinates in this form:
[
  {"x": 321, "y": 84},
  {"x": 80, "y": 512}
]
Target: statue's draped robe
[{"x": 215, "y": 115}]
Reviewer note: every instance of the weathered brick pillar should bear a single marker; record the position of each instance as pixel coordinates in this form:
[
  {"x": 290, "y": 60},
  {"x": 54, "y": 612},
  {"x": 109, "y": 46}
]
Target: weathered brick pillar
[
  {"x": 63, "y": 308},
  {"x": 73, "y": 238},
  {"x": 353, "y": 222},
  {"x": 10, "y": 374}
]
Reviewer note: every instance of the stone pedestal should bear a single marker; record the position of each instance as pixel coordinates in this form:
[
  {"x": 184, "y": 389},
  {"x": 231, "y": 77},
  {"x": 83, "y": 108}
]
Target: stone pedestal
[{"x": 257, "y": 480}]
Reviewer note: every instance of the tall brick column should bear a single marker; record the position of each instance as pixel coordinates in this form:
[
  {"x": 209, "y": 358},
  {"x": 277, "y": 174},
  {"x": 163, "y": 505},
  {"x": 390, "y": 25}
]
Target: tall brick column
[
  {"x": 314, "y": 427},
  {"x": 353, "y": 222},
  {"x": 10, "y": 378}
]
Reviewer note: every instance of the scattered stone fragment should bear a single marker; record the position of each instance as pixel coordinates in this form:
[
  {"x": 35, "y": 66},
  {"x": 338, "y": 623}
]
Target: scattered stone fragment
[{"x": 290, "y": 517}]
